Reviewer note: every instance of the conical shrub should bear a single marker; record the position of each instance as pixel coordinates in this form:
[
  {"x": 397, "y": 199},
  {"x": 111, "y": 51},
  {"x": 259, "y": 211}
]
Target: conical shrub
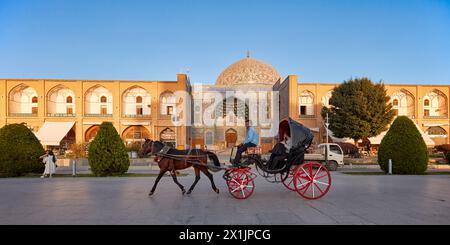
[
  {"x": 107, "y": 154},
  {"x": 405, "y": 146},
  {"x": 19, "y": 151}
]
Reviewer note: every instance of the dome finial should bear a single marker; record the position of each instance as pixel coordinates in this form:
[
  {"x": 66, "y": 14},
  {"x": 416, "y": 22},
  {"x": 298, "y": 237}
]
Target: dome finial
[{"x": 248, "y": 53}]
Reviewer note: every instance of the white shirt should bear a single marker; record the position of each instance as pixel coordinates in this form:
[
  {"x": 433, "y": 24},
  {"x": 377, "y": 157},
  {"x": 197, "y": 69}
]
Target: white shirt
[{"x": 49, "y": 165}]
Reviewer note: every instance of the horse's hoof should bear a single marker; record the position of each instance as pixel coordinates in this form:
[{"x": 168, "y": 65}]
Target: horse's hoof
[
  {"x": 217, "y": 191},
  {"x": 189, "y": 192},
  {"x": 151, "y": 193},
  {"x": 183, "y": 192}
]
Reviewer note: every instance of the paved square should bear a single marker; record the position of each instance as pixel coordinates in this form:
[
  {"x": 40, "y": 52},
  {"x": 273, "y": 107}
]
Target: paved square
[{"x": 351, "y": 200}]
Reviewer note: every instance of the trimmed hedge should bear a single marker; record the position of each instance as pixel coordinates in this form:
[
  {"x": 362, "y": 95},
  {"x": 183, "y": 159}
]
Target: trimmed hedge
[
  {"x": 444, "y": 148},
  {"x": 19, "y": 151},
  {"x": 405, "y": 146},
  {"x": 107, "y": 154}
]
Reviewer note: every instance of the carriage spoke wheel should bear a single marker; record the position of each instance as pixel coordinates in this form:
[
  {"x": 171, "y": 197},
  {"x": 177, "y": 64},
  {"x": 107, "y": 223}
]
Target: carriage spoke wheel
[
  {"x": 240, "y": 183},
  {"x": 289, "y": 180},
  {"x": 312, "y": 180}
]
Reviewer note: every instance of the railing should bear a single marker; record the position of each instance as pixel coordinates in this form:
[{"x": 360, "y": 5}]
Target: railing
[
  {"x": 307, "y": 116},
  {"x": 161, "y": 116},
  {"x": 60, "y": 115},
  {"x": 136, "y": 116},
  {"x": 22, "y": 114},
  {"x": 436, "y": 117},
  {"x": 98, "y": 115}
]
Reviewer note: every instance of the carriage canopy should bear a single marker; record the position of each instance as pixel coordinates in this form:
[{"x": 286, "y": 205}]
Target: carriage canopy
[{"x": 300, "y": 135}]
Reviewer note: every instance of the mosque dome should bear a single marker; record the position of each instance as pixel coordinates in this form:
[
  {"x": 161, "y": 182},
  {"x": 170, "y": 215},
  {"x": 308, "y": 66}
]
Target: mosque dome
[{"x": 248, "y": 71}]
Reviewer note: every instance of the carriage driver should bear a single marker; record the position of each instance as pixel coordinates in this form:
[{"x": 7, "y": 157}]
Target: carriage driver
[{"x": 251, "y": 140}]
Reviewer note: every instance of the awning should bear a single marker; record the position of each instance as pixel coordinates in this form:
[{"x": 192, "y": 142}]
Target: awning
[
  {"x": 51, "y": 133},
  {"x": 339, "y": 140},
  {"x": 377, "y": 139}
]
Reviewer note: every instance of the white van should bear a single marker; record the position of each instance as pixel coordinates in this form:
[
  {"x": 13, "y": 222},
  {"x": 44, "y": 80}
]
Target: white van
[{"x": 335, "y": 156}]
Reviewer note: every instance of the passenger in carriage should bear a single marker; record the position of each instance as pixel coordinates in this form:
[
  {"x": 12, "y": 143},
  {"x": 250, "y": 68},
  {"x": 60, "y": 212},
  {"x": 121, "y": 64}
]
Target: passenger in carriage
[
  {"x": 251, "y": 140},
  {"x": 280, "y": 150}
]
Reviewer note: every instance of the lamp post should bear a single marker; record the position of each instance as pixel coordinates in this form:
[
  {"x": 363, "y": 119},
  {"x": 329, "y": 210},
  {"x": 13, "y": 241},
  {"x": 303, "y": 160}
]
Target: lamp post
[{"x": 327, "y": 124}]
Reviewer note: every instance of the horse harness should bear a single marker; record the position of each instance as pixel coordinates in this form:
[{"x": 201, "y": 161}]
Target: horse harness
[{"x": 186, "y": 158}]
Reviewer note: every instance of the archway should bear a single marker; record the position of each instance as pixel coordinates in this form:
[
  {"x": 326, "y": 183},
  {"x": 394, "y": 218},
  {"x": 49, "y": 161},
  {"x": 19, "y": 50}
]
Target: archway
[
  {"x": 231, "y": 137},
  {"x": 438, "y": 134},
  {"x": 23, "y": 100},
  {"x": 403, "y": 103},
  {"x": 98, "y": 100},
  {"x": 61, "y": 101},
  {"x": 435, "y": 105},
  {"x": 168, "y": 103},
  {"x": 67, "y": 141},
  {"x": 168, "y": 136},
  {"x": 306, "y": 104},
  {"x": 136, "y": 133},
  {"x": 136, "y": 102},
  {"x": 91, "y": 133}
]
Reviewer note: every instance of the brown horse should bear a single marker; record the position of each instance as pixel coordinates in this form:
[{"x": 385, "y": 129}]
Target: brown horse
[{"x": 173, "y": 160}]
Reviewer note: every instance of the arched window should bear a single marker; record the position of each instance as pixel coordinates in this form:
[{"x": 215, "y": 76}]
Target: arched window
[
  {"x": 98, "y": 101},
  {"x": 326, "y": 99},
  {"x": 435, "y": 104},
  {"x": 23, "y": 99},
  {"x": 139, "y": 99},
  {"x": 306, "y": 102},
  {"x": 60, "y": 101},
  {"x": 168, "y": 103},
  {"x": 403, "y": 103},
  {"x": 136, "y": 102},
  {"x": 395, "y": 102}
]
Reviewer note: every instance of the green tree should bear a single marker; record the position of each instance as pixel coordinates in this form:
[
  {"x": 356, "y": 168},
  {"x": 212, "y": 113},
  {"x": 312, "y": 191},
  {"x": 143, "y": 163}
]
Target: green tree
[
  {"x": 359, "y": 109},
  {"x": 107, "y": 155},
  {"x": 19, "y": 151},
  {"x": 403, "y": 144}
]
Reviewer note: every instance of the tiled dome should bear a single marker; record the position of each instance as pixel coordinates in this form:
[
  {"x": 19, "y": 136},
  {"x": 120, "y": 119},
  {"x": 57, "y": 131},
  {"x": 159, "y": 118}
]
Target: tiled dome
[{"x": 248, "y": 71}]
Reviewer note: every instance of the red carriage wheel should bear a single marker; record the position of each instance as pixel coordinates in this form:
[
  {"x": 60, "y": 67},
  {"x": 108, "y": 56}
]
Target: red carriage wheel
[
  {"x": 289, "y": 181},
  {"x": 241, "y": 183},
  {"x": 312, "y": 180}
]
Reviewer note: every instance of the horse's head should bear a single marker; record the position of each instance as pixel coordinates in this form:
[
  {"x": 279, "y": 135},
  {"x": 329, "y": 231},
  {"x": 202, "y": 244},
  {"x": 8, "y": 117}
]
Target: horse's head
[
  {"x": 146, "y": 148},
  {"x": 156, "y": 147}
]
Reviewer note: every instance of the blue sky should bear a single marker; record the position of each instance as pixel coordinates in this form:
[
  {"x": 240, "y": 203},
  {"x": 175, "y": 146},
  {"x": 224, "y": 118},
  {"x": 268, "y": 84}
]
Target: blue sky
[{"x": 320, "y": 41}]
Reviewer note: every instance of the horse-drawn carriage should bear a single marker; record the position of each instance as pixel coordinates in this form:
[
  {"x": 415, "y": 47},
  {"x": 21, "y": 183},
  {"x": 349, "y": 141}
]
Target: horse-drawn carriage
[{"x": 310, "y": 180}]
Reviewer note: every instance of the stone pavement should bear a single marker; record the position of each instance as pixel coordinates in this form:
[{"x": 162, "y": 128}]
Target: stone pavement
[{"x": 351, "y": 200}]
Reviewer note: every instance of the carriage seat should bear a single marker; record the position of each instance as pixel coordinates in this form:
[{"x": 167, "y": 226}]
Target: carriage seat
[{"x": 254, "y": 150}]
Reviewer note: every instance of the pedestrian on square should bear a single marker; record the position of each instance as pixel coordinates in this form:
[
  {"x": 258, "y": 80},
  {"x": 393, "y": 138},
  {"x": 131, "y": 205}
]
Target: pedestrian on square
[
  {"x": 368, "y": 147},
  {"x": 49, "y": 159}
]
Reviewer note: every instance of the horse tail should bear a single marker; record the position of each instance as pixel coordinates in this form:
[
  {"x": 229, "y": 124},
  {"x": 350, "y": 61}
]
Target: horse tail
[{"x": 212, "y": 156}]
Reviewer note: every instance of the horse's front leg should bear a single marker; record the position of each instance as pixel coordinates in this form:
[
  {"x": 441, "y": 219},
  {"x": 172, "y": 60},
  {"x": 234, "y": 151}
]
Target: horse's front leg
[
  {"x": 160, "y": 175},
  {"x": 197, "y": 178}
]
